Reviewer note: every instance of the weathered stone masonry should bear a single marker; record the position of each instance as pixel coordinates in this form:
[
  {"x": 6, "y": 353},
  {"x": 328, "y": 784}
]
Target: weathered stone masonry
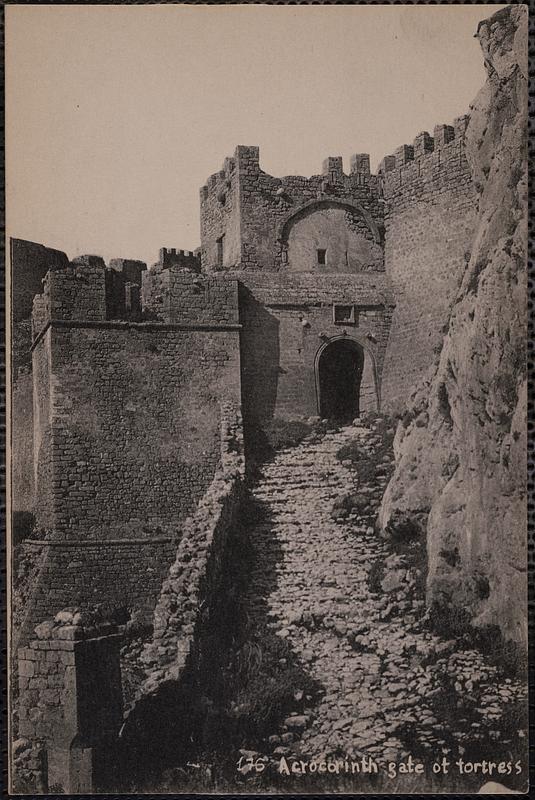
[
  {"x": 429, "y": 227},
  {"x": 253, "y": 221},
  {"x": 70, "y": 697},
  {"x": 298, "y": 247},
  {"x": 194, "y": 580},
  {"x": 139, "y": 377},
  {"x": 30, "y": 262},
  {"x": 70, "y": 704},
  {"x": 287, "y": 321},
  {"x": 131, "y": 365},
  {"x": 126, "y": 432},
  {"x": 123, "y": 413}
]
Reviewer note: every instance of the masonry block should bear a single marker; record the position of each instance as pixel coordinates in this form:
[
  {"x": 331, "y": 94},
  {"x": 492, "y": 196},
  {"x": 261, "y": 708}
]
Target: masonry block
[
  {"x": 360, "y": 163},
  {"x": 333, "y": 165},
  {"x": 94, "y": 262},
  {"x": 387, "y": 164},
  {"x": 443, "y": 134},
  {"x": 78, "y": 719},
  {"x": 404, "y": 154},
  {"x": 423, "y": 144},
  {"x": 247, "y": 155}
]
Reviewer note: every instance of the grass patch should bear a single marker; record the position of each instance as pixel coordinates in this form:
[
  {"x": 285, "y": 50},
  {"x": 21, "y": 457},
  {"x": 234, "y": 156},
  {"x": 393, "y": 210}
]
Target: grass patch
[
  {"x": 23, "y": 526},
  {"x": 262, "y": 442},
  {"x": 375, "y": 576},
  {"x": 282, "y": 433},
  {"x": 452, "y": 622},
  {"x": 351, "y": 452},
  {"x": 369, "y": 461}
]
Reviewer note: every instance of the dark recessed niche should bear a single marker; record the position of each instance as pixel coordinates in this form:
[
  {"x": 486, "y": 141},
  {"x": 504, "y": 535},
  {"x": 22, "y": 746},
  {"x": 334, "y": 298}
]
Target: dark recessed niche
[{"x": 343, "y": 315}]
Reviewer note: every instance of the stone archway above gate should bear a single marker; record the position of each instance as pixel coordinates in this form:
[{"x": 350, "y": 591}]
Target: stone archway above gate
[
  {"x": 320, "y": 204},
  {"x": 330, "y": 235}
]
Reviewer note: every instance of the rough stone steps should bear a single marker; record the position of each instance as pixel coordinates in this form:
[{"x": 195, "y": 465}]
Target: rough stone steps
[{"x": 364, "y": 648}]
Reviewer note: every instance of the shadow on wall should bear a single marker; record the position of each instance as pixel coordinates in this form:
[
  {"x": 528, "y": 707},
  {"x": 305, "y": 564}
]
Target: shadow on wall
[
  {"x": 240, "y": 684},
  {"x": 260, "y": 359}
]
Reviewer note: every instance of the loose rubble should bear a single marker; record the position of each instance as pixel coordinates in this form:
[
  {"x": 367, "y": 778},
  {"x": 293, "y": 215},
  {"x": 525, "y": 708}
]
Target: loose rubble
[{"x": 390, "y": 688}]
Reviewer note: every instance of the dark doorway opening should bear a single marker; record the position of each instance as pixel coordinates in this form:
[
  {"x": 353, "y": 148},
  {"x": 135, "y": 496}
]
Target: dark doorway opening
[{"x": 340, "y": 373}]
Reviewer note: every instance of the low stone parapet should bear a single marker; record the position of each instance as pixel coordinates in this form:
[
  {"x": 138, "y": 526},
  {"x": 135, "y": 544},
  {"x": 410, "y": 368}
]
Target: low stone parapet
[
  {"x": 70, "y": 704},
  {"x": 196, "y": 574}
]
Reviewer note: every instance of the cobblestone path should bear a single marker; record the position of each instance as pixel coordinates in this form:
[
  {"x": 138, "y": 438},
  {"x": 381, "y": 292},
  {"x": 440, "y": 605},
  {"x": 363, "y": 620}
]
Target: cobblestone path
[{"x": 387, "y": 681}]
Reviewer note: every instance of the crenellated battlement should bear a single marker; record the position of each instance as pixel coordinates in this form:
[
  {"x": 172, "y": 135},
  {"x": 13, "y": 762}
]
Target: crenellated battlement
[
  {"x": 89, "y": 292},
  {"x": 425, "y": 155},
  {"x": 430, "y": 207},
  {"x": 243, "y": 208},
  {"x": 77, "y": 292},
  {"x": 186, "y": 259}
]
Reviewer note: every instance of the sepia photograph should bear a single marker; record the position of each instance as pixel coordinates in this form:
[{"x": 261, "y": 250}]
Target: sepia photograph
[{"x": 267, "y": 398}]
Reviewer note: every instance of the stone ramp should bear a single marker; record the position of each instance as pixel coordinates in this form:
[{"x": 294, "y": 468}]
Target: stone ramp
[{"x": 378, "y": 665}]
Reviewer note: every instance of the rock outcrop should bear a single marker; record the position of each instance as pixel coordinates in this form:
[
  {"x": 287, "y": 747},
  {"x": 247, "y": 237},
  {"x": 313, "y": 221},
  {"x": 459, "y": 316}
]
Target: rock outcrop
[{"x": 460, "y": 479}]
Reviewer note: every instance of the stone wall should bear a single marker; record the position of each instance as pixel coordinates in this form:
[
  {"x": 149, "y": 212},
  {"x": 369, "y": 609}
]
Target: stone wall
[
  {"x": 30, "y": 262},
  {"x": 119, "y": 573},
  {"x": 126, "y": 432},
  {"x": 262, "y": 222},
  {"x": 184, "y": 259},
  {"x": 195, "y": 576},
  {"x": 135, "y": 415},
  {"x": 287, "y": 319},
  {"x": 429, "y": 227},
  {"x": 134, "y": 411},
  {"x": 327, "y": 237},
  {"x": 220, "y": 217},
  {"x": 175, "y": 295},
  {"x": 69, "y": 708},
  {"x": 42, "y": 467},
  {"x": 22, "y": 479}
]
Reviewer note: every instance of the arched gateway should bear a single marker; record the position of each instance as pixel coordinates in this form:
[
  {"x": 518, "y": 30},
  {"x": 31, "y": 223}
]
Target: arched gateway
[{"x": 339, "y": 368}]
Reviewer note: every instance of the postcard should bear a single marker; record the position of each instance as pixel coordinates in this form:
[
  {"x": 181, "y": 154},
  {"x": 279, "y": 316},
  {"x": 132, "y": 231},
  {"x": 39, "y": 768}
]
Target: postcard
[{"x": 267, "y": 381}]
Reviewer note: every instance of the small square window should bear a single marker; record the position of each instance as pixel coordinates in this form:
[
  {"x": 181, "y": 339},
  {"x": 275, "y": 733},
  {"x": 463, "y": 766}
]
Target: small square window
[
  {"x": 344, "y": 315},
  {"x": 322, "y": 257}
]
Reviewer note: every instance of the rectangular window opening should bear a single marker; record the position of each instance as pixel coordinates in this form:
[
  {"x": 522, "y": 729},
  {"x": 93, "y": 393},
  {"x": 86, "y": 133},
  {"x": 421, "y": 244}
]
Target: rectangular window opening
[
  {"x": 220, "y": 251},
  {"x": 322, "y": 257},
  {"x": 343, "y": 315}
]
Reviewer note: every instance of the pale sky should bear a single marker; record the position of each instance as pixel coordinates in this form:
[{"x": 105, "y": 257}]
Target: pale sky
[{"x": 116, "y": 115}]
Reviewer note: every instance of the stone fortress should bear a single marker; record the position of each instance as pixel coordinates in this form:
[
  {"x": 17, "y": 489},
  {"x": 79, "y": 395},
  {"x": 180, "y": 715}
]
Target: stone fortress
[{"x": 322, "y": 296}]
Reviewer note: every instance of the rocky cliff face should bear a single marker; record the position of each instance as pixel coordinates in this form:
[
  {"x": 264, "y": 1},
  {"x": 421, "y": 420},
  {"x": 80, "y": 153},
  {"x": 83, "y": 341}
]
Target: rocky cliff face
[{"x": 460, "y": 480}]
